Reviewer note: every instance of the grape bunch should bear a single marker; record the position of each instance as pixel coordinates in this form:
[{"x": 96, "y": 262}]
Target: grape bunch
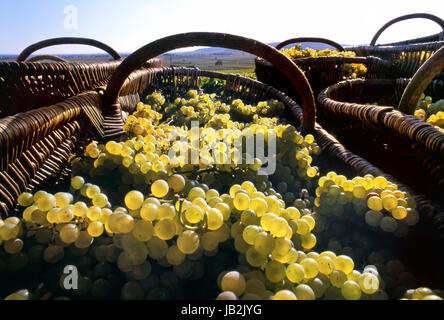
[
  {"x": 432, "y": 113},
  {"x": 166, "y": 209},
  {"x": 350, "y": 70}
]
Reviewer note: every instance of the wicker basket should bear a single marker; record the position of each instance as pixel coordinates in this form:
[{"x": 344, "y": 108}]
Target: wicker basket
[
  {"x": 409, "y": 55},
  {"x": 335, "y": 155},
  {"x": 125, "y": 84},
  {"x": 320, "y": 71},
  {"x": 45, "y": 152},
  {"x": 387, "y": 137},
  {"x": 28, "y": 84}
]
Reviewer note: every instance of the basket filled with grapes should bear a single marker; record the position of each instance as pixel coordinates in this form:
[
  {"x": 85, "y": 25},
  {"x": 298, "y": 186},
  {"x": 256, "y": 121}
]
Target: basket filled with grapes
[
  {"x": 388, "y": 120},
  {"x": 322, "y": 67},
  {"x": 185, "y": 194},
  {"x": 407, "y": 56},
  {"x": 42, "y": 80}
]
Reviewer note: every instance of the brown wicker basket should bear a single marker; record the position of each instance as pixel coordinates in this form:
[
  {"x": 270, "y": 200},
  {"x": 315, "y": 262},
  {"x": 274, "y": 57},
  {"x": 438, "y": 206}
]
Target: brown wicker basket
[
  {"x": 55, "y": 132},
  {"x": 320, "y": 71},
  {"x": 409, "y": 55},
  {"x": 28, "y": 84},
  {"x": 387, "y": 137},
  {"x": 142, "y": 82},
  {"x": 335, "y": 155}
]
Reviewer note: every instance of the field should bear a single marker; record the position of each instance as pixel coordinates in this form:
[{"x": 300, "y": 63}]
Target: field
[
  {"x": 228, "y": 63},
  {"x": 223, "y": 63}
]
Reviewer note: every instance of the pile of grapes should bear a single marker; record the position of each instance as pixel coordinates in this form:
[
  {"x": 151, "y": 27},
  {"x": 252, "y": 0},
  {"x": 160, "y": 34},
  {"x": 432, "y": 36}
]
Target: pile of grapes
[
  {"x": 175, "y": 210},
  {"x": 432, "y": 113},
  {"x": 351, "y": 70}
]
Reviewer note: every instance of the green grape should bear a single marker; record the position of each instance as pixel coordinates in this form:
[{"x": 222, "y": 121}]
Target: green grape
[
  {"x": 166, "y": 211},
  {"x": 224, "y": 209},
  {"x": 210, "y": 241},
  {"x": 25, "y": 199},
  {"x": 196, "y": 192},
  {"x": 249, "y": 234},
  {"x": 359, "y": 191},
  {"x": 13, "y": 246},
  {"x": 100, "y": 200},
  {"x": 215, "y": 219},
  {"x": 84, "y": 240},
  {"x": 264, "y": 243},
  {"x": 176, "y": 182},
  {"x": 389, "y": 202},
  {"x": 52, "y": 215},
  {"x": 233, "y": 281},
  {"x": 188, "y": 242},
  {"x": 374, "y": 203},
  {"x": 311, "y": 267},
  {"x": 337, "y": 278},
  {"x": 79, "y": 209},
  {"x": 77, "y": 183},
  {"x": 92, "y": 190},
  {"x": 9, "y": 231},
  {"x": 227, "y": 295},
  {"x": 175, "y": 256},
  {"x": 284, "y": 295},
  {"x": 134, "y": 200},
  {"x": 344, "y": 263},
  {"x": 282, "y": 246},
  {"x": 267, "y": 220},
  {"x": 149, "y": 212},
  {"x": 259, "y": 206},
  {"x": 143, "y": 230},
  {"x": 373, "y": 218},
  {"x": 318, "y": 287},
  {"x": 293, "y": 213},
  {"x": 326, "y": 264},
  {"x": 69, "y": 233},
  {"x": 275, "y": 271},
  {"x": 303, "y": 227},
  {"x": 94, "y": 213},
  {"x": 27, "y": 213},
  {"x": 295, "y": 273},
  {"x": 241, "y": 201},
  {"x": 399, "y": 212},
  {"x": 165, "y": 229},
  {"x": 157, "y": 248},
  {"x": 95, "y": 229},
  {"x": 278, "y": 227},
  {"x": 125, "y": 223},
  {"x": 304, "y": 292},
  {"x": 351, "y": 290},
  {"x": 308, "y": 241},
  {"x": 46, "y": 202},
  {"x": 249, "y": 217},
  {"x": 255, "y": 259},
  {"x": 388, "y": 224}
]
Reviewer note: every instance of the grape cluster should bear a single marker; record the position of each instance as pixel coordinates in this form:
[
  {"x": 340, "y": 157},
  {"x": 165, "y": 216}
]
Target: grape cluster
[
  {"x": 142, "y": 219},
  {"x": 351, "y": 70},
  {"x": 432, "y": 113},
  {"x": 379, "y": 202}
]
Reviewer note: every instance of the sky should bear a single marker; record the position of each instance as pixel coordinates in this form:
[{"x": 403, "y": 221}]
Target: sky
[{"x": 127, "y": 25}]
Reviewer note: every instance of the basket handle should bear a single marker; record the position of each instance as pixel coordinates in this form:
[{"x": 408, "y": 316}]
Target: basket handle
[
  {"x": 421, "y": 79},
  {"x": 47, "y": 57},
  {"x": 66, "y": 40},
  {"x": 153, "y": 49},
  {"x": 310, "y": 39},
  {"x": 407, "y": 17}
]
